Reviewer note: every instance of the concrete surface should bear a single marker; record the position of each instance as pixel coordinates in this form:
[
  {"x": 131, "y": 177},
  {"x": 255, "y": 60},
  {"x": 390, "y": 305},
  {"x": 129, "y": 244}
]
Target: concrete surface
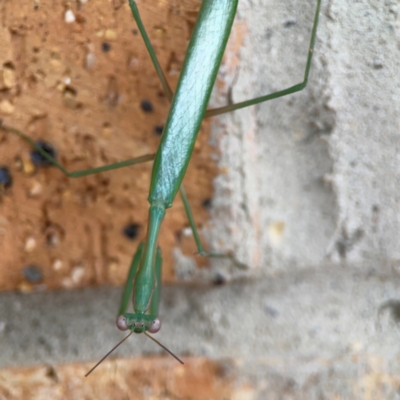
[
  {"x": 313, "y": 176},
  {"x": 320, "y": 330}
]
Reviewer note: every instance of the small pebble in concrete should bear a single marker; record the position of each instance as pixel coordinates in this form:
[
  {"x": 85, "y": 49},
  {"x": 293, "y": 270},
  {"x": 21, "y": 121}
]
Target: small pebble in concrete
[
  {"x": 131, "y": 231},
  {"x": 5, "y": 178},
  {"x": 158, "y": 129},
  {"x": 146, "y": 106},
  {"x": 290, "y": 22},
  {"x": 206, "y": 203},
  {"x": 219, "y": 279},
  {"x": 105, "y": 47},
  {"x": 33, "y": 274}
]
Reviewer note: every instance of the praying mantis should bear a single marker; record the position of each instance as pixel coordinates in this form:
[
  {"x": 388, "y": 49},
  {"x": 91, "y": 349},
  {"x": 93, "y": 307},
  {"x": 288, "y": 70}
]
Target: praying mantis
[{"x": 188, "y": 109}]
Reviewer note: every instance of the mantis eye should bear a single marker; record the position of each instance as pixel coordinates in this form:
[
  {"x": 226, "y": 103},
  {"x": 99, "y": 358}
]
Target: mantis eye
[
  {"x": 155, "y": 326},
  {"x": 121, "y": 323}
]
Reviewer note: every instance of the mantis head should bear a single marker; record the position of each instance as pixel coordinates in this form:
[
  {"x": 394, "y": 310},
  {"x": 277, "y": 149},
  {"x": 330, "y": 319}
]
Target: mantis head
[{"x": 138, "y": 324}]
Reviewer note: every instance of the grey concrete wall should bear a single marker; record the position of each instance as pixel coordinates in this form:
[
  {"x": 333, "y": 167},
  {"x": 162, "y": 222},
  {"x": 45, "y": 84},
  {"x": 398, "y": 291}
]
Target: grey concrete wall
[
  {"x": 312, "y": 176},
  {"x": 308, "y": 197},
  {"x": 312, "y": 334}
]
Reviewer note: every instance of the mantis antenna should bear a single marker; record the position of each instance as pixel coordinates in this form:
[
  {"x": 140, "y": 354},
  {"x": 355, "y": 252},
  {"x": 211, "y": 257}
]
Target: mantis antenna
[
  {"x": 161, "y": 345},
  {"x": 122, "y": 341}
]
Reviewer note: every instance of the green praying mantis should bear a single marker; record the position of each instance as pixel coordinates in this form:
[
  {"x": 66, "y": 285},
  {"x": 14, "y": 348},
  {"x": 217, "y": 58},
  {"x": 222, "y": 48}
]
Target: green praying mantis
[{"x": 188, "y": 109}]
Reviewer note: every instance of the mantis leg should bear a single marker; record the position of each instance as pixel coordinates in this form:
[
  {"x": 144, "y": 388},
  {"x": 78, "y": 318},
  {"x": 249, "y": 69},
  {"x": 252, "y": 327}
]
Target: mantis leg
[
  {"x": 122, "y": 164},
  {"x": 200, "y": 248},
  {"x": 126, "y": 295},
  {"x": 150, "y": 49},
  {"x": 77, "y": 174},
  {"x": 232, "y": 107},
  {"x": 128, "y": 288},
  {"x": 155, "y": 300},
  {"x": 281, "y": 93}
]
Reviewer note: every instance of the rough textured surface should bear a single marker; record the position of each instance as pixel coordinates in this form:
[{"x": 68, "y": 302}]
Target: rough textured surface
[
  {"x": 312, "y": 333},
  {"x": 304, "y": 180},
  {"x": 145, "y": 378},
  {"x": 313, "y": 176},
  {"x": 365, "y": 142},
  {"x": 280, "y": 210},
  {"x": 79, "y": 86}
]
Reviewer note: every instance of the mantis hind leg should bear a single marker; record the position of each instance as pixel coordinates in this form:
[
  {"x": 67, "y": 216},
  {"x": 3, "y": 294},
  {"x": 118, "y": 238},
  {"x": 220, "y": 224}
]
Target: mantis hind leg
[
  {"x": 128, "y": 288},
  {"x": 293, "y": 89},
  {"x": 200, "y": 248}
]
